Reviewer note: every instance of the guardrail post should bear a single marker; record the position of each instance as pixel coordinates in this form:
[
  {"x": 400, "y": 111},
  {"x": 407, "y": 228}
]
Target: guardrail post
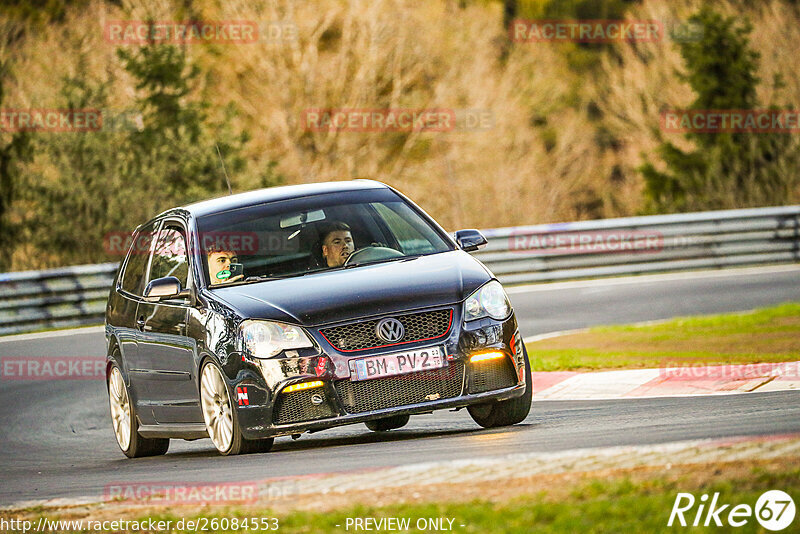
[{"x": 797, "y": 237}]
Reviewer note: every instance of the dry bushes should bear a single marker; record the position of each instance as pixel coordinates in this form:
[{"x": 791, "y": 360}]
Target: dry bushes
[{"x": 564, "y": 144}]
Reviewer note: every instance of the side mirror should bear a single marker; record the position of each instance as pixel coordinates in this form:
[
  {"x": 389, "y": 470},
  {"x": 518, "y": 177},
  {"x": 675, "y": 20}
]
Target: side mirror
[
  {"x": 470, "y": 240},
  {"x": 168, "y": 287}
]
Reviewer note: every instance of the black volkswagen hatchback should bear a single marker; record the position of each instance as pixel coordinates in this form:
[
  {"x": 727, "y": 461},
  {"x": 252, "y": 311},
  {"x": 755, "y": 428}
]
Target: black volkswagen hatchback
[{"x": 300, "y": 308}]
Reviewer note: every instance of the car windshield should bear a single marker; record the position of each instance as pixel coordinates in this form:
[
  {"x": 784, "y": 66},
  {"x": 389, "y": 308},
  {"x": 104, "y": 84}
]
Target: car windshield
[{"x": 312, "y": 234}]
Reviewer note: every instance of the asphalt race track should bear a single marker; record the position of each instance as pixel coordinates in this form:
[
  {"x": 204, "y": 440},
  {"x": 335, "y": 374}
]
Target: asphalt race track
[{"x": 56, "y": 438}]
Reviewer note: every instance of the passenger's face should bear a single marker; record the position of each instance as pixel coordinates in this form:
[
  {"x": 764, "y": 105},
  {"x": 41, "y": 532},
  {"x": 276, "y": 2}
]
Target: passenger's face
[
  {"x": 218, "y": 262},
  {"x": 337, "y": 247}
]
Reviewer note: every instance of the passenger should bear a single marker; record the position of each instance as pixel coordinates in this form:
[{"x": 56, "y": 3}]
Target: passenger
[{"x": 219, "y": 266}]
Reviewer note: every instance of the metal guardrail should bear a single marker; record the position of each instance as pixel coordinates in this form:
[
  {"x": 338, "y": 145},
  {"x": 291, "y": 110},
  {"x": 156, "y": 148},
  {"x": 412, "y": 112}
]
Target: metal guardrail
[
  {"x": 638, "y": 245},
  {"x": 55, "y": 298},
  {"x": 73, "y": 296}
]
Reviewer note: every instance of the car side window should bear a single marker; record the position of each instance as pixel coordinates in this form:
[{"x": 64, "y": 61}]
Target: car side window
[
  {"x": 133, "y": 277},
  {"x": 169, "y": 255}
]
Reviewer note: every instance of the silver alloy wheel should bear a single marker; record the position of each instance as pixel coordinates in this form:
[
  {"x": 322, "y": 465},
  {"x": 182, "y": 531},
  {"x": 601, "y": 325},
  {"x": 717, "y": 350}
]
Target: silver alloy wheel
[
  {"x": 216, "y": 407},
  {"x": 120, "y": 408}
]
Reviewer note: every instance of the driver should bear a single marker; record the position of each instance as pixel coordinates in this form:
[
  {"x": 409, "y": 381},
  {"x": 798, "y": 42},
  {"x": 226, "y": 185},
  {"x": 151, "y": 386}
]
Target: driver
[
  {"x": 337, "y": 244},
  {"x": 219, "y": 266}
]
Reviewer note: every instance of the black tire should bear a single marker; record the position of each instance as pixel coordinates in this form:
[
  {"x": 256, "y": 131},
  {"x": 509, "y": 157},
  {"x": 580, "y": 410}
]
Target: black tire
[
  {"x": 388, "y": 423},
  {"x": 138, "y": 446},
  {"x": 238, "y": 443},
  {"x": 242, "y": 445},
  {"x": 256, "y": 446},
  {"x": 509, "y": 412}
]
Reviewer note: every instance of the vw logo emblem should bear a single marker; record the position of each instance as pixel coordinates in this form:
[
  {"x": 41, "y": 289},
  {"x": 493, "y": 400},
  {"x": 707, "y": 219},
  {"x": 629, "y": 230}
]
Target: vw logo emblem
[{"x": 390, "y": 330}]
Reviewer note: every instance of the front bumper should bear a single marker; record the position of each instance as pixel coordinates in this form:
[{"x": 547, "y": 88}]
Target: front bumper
[
  {"x": 261, "y": 383},
  {"x": 256, "y": 429}
]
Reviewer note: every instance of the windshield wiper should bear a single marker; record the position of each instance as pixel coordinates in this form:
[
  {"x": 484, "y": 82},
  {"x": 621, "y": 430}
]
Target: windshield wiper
[
  {"x": 264, "y": 278},
  {"x": 261, "y": 278},
  {"x": 247, "y": 280},
  {"x": 384, "y": 260}
]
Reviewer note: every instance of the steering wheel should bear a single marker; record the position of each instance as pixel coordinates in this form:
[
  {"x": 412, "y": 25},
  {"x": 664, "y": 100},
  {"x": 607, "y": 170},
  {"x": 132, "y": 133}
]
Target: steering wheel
[{"x": 368, "y": 254}]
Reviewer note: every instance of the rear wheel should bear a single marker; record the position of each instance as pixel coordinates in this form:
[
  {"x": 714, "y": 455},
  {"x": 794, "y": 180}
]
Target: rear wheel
[
  {"x": 509, "y": 412},
  {"x": 388, "y": 423},
  {"x": 220, "y": 417},
  {"x": 125, "y": 423}
]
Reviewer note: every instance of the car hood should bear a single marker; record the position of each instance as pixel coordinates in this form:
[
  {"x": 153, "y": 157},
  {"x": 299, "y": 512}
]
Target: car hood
[{"x": 369, "y": 290}]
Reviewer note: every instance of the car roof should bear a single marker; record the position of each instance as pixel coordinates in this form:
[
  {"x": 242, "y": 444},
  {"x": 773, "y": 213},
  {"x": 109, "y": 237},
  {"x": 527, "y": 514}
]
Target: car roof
[{"x": 272, "y": 194}]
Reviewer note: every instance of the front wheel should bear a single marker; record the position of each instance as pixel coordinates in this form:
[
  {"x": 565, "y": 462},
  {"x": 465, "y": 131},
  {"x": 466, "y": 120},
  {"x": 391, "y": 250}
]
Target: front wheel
[
  {"x": 220, "y": 417},
  {"x": 125, "y": 423},
  {"x": 509, "y": 412}
]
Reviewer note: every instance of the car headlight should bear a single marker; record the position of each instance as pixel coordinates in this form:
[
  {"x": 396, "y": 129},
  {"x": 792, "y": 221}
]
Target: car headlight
[
  {"x": 264, "y": 339},
  {"x": 490, "y": 300}
]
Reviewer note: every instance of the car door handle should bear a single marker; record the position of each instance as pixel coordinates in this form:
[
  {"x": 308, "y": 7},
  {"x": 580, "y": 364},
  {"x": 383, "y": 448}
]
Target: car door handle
[{"x": 140, "y": 323}]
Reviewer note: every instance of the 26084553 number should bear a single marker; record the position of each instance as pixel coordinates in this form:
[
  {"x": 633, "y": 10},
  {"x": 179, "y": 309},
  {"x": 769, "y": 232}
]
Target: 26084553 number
[{"x": 216, "y": 524}]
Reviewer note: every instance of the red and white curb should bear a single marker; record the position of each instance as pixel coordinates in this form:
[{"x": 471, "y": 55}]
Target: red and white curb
[{"x": 667, "y": 381}]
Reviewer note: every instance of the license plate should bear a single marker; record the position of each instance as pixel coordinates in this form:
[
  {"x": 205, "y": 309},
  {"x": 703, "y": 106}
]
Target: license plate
[{"x": 396, "y": 364}]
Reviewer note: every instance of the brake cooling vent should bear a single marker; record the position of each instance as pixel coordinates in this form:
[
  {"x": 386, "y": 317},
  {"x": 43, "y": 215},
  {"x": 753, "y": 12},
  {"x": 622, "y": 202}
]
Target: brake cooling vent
[
  {"x": 491, "y": 375},
  {"x": 299, "y": 406}
]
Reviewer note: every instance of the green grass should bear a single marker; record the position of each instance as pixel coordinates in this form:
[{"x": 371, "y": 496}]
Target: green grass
[
  {"x": 597, "y": 505},
  {"x": 765, "y": 335}
]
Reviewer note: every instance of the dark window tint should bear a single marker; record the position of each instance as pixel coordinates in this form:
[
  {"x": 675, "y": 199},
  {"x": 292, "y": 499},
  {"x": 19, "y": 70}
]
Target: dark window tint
[
  {"x": 133, "y": 277},
  {"x": 169, "y": 255}
]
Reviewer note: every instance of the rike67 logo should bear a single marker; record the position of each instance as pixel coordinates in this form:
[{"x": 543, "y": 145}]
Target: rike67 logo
[{"x": 774, "y": 510}]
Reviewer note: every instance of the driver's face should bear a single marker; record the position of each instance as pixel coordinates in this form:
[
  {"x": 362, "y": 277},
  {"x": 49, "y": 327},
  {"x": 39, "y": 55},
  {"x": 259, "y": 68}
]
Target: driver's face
[{"x": 337, "y": 247}]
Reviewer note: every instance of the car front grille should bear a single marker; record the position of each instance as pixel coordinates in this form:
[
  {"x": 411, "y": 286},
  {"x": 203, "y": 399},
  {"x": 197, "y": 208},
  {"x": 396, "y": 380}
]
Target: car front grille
[
  {"x": 491, "y": 375},
  {"x": 361, "y": 335},
  {"x": 296, "y": 407},
  {"x": 390, "y": 392}
]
